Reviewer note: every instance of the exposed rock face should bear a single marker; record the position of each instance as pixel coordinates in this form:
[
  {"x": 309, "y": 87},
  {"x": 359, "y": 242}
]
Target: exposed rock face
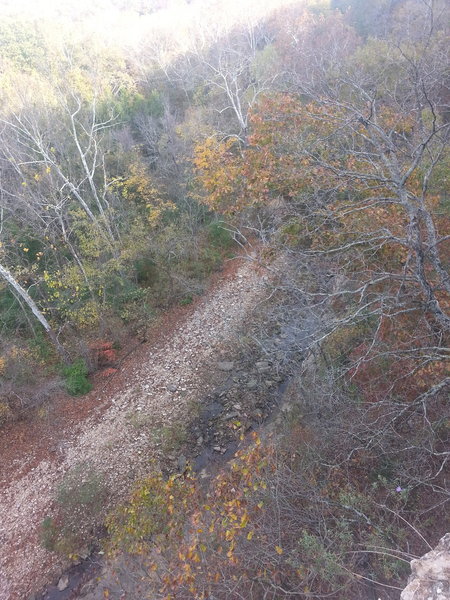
[{"x": 430, "y": 578}]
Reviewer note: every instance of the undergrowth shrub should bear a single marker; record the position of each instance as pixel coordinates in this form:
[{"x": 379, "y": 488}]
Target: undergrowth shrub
[
  {"x": 277, "y": 510},
  {"x": 157, "y": 512},
  {"x": 5, "y": 413},
  {"x": 42, "y": 349},
  {"x": 80, "y": 499},
  {"x": 219, "y": 236},
  {"x": 77, "y": 383}
]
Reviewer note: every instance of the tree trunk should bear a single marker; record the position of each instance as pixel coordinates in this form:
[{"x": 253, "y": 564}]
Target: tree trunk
[{"x": 8, "y": 277}]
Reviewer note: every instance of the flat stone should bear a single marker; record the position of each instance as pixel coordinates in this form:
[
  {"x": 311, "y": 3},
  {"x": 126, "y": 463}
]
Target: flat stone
[
  {"x": 231, "y": 415},
  {"x": 225, "y": 365},
  {"x": 63, "y": 583},
  {"x": 252, "y": 384},
  {"x": 172, "y": 387},
  {"x": 263, "y": 366}
]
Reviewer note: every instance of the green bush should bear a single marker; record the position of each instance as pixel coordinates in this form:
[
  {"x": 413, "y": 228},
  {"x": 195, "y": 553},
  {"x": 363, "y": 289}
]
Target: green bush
[
  {"x": 77, "y": 383},
  {"x": 219, "y": 236},
  {"x": 187, "y": 300}
]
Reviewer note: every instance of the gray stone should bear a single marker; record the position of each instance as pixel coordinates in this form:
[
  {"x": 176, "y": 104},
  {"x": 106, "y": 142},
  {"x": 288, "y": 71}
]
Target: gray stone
[
  {"x": 252, "y": 384},
  {"x": 231, "y": 415},
  {"x": 225, "y": 365},
  {"x": 172, "y": 387},
  {"x": 263, "y": 366},
  {"x": 430, "y": 578},
  {"x": 63, "y": 583},
  {"x": 181, "y": 463}
]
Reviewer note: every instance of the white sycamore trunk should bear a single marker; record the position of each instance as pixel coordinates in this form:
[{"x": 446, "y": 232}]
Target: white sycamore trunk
[{"x": 8, "y": 277}]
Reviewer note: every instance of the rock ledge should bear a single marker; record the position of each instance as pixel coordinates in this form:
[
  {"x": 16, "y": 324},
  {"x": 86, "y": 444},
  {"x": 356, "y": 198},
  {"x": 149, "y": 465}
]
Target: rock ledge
[{"x": 430, "y": 577}]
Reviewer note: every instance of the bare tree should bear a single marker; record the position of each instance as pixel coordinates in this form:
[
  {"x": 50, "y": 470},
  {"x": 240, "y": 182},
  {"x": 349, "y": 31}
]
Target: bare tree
[
  {"x": 20, "y": 291},
  {"x": 67, "y": 144}
]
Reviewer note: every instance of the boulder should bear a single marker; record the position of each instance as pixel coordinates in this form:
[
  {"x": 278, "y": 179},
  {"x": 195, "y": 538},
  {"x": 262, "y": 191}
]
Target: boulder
[{"x": 430, "y": 577}]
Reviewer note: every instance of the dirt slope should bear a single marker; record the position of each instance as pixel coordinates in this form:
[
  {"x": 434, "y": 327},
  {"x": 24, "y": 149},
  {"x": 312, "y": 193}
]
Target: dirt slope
[{"x": 101, "y": 428}]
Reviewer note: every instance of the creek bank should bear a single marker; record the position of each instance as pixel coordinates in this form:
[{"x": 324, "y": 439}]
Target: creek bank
[{"x": 214, "y": 440}]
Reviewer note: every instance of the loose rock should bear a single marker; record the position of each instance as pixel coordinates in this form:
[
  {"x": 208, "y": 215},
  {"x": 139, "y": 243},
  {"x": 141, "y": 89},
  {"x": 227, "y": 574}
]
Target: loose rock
[
  {"x": 263, "y": 366},
  {"x": 225, "y": 366},
  {"x": 63, "y": 583},
  {"x": 231, "y": 415}
]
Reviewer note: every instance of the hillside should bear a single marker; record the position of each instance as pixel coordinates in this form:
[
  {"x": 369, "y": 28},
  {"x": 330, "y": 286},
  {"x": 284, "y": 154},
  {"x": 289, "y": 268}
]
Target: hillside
[{"x": 224, "y": 297}]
